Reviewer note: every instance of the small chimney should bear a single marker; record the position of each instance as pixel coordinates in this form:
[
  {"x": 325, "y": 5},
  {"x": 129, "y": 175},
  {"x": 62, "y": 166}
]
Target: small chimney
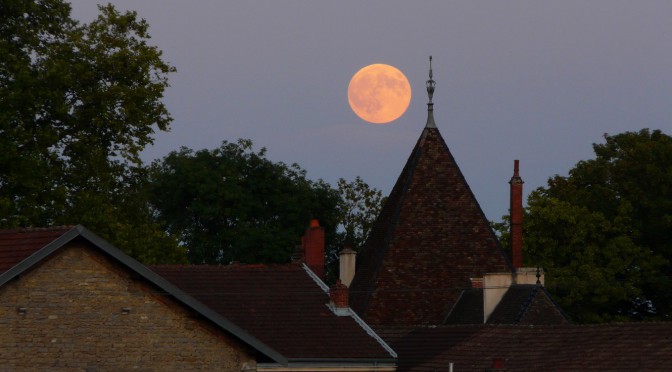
[
  {"x": 516, "y": 216},
  {"x": 313, "y": 248},
  {"x": 477, "y": 283},
  {"x": 338, "y": 297},
  {"x": 347, "y": 265}
]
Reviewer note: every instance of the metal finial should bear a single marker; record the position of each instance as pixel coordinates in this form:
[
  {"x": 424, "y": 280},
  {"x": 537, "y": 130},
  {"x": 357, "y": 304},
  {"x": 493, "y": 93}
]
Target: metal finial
[
  {"x": 430, "y": 92},
  {"x": 430, "y": 83},
  {"x": 430, "y": 67}
]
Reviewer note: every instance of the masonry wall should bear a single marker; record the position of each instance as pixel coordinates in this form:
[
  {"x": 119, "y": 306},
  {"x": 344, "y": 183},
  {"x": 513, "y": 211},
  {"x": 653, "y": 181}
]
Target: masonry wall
[{"x": 74, "y": 320}]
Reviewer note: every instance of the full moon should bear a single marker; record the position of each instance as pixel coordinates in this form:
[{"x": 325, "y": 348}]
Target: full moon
[{"x": 379, "y": 93}]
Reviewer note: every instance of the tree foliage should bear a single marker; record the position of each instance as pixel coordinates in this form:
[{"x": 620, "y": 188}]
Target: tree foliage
[
  {"x": 604, "y": 232},
  {"x": 78, "y": 102},
  {"x": 359, "y": 207},
  {"x": 233, "y": 204}
]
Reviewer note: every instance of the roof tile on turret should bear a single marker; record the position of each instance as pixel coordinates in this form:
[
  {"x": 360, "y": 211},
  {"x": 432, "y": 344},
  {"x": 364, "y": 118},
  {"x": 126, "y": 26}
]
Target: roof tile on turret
[{"x": 429, "y": 240}]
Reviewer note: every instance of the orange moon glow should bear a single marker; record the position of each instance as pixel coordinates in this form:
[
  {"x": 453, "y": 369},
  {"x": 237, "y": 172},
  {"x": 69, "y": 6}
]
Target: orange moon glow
[{"x": 379, "y": 93}]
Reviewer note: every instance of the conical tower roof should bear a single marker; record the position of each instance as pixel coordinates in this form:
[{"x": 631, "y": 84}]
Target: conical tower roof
[{"x": 430, "y": 239}]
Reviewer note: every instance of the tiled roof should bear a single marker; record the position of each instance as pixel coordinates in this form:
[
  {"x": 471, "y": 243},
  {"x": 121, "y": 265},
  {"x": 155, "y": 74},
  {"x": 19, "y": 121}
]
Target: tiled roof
[
  {"x": 281, "y": 305},
  {"x": 429, "y": 240},
  {"x": 468, "y": 309},
  {"x": 611, "y": 347},
  {"x": 527, "y": 304},
  {"x": 18, "y": 244}
]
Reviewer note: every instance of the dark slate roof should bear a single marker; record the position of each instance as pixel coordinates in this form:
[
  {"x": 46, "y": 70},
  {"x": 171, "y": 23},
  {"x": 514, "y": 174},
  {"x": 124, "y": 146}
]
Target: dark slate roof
[
  {"x": 282, "y": 305},
  {"x": 429, "y": 240},
  {"x": 610, "y": 347},
  {"x": 468, "y": 309},
  {"x": 18, "y": 244},
  {"x": 527, "y": 304},
  {"x": 23, "y": 249}
]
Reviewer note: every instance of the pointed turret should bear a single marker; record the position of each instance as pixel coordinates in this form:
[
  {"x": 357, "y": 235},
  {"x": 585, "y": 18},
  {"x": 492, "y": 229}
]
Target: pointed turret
[{"x": 429, "y": 240}]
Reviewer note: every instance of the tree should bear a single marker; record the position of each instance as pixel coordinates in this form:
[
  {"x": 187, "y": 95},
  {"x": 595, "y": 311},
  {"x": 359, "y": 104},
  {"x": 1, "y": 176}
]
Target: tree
[
  {"x": 359, "y": 206},
  {"x": 78, "y": 103},
  {"x": 233, "y": 204},
  {"x": 604, "y": 232}
]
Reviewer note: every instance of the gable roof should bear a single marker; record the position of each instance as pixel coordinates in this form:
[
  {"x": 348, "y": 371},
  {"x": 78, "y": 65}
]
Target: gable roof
[
  {"x": 527, "y": 304},
  {"x": 26, "y": 248},
  {"x": 430, "y": 238},
  {"x": 608, "y": 347},
  {"x": 283, "y": 306}
]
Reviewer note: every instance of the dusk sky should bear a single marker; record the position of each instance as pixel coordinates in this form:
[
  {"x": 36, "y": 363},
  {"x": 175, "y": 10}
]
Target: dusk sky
[{"x": 538, "y": 81}]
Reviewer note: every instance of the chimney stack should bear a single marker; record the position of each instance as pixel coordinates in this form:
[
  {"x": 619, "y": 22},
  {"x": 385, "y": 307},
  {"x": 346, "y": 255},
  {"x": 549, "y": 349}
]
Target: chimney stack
[
  {"x": 313, "y": 248},
  {"x": 347, "y": 265},
  {"x": 516, "y": 215},
  {"x": 338, "y": 295}
]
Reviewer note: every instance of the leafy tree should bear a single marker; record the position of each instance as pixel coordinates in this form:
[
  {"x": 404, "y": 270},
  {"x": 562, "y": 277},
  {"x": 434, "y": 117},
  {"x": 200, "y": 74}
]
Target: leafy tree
[
  {"x": 604, "y": 232},
  {"x": 233, "y": 204},
  {"x": 359, "y": 207},
  {"x": 77, "y": 105}
]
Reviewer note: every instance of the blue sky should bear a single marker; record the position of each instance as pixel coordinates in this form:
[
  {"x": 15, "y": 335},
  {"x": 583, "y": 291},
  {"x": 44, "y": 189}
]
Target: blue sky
[{"x": 538, "y": 81}]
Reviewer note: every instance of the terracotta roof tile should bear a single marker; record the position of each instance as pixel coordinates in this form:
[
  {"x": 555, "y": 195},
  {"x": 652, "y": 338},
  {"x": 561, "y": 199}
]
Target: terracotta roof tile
[
  {"x": 278, "y": 304},
  {"x": 18, "y": 244},
  {"x": 429, "y": 239}
]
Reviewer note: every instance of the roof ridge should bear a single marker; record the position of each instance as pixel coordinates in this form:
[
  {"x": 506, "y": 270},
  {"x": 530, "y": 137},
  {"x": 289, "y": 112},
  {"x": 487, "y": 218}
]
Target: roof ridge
[{"x": 526, "y": 304}]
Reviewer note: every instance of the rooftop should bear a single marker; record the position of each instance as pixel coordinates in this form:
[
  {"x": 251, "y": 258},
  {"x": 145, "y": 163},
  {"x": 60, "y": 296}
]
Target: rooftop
[
  {"x": 277, "y": 303},
  {"x": 429, "y": 240}
]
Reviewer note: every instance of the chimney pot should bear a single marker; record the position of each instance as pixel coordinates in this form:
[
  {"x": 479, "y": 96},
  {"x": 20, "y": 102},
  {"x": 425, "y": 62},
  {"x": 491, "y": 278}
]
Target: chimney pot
[{"x": 347, "y": 265}]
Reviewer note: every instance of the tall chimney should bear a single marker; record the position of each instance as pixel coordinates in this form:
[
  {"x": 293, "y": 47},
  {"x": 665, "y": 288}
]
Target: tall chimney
[
  {"x": 347, "y": 265},
  {"x": 313, "y": 248},
  {"x": 516, "y": 216}
]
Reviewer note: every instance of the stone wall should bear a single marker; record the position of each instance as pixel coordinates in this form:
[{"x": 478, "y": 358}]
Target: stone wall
[{"x": 79, "y": 311}]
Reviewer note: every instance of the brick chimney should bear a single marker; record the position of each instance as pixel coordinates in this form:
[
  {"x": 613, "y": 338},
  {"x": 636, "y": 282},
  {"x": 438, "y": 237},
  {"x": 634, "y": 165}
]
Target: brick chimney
[
  {"x": 516, "y": 216},
  {"x": 338, "y": 299},
  {"x": 347, "y": 265},
  {"x": 313, "y": 248},
  {"x": 338, "y": 295}
]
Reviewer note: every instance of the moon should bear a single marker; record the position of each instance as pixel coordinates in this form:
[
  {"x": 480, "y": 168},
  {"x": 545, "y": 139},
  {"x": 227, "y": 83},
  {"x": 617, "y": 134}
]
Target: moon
[{"x": 379, "y": 93}]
